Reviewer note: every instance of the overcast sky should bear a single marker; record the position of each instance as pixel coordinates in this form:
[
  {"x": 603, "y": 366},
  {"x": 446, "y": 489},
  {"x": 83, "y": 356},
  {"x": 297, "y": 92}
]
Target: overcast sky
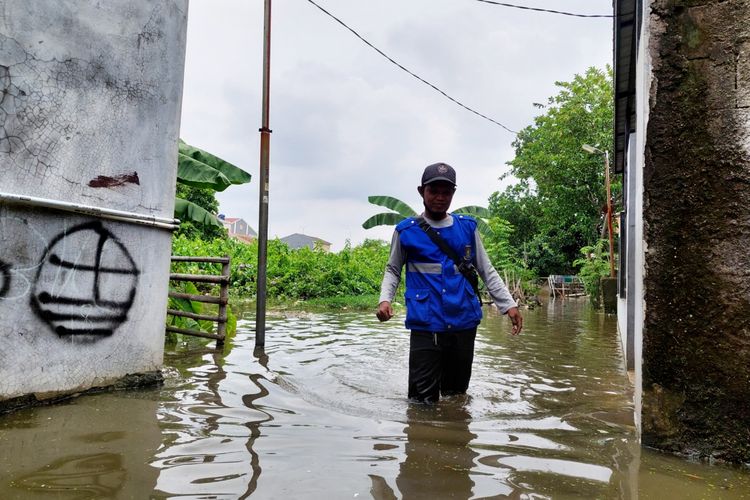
[{"x": 348, "y": 124}]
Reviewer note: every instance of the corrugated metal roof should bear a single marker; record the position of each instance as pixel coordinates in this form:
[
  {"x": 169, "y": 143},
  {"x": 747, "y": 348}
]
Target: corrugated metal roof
[{"x": 626, "y": 29}]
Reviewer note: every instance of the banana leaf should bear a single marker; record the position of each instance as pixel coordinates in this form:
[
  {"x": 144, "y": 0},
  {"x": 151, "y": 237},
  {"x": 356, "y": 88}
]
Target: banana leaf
[
  {"x": 474, "y": 211},
  {"x": 394, "y": 204},
  {"x": 198, "y": 168},
  {"x": 189, "y": 211},
  {"x": 484, "y": 229},
  {"x": 383, "y": 219},
  {"x": 479, "y": 214},
  {"x": 187, "y": 305}
]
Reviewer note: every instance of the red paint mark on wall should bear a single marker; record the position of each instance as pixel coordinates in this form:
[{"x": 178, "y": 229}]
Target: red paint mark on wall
[{"x": 104, "y": 181}]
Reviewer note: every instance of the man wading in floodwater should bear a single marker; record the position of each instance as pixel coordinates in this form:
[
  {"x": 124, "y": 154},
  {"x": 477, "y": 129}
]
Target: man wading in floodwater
[{"x": 442, "y": 253}]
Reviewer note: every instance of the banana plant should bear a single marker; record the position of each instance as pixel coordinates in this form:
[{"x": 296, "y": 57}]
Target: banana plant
[
  {"x": 197, "y": 168},
  {"x": 401, "y": 211}
]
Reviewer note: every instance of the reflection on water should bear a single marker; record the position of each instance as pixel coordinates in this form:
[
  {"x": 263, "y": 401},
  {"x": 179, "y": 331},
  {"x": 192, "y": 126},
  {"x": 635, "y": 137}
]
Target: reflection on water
[
  {"x": 90, "y": 476},
  {"x": 208, "y": 442},
  {"x": 429, "y": 471},
  {"x": 321, "y": 413},
  {"x": 97, "y": 446}
]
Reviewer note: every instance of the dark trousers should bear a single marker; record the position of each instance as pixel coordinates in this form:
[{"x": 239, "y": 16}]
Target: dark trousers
[{"x": 440, "y": 363}]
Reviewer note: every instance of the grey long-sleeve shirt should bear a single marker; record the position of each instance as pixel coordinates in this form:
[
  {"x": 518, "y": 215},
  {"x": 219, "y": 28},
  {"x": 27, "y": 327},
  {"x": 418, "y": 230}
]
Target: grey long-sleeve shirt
[{"x": 495, "y": 286}]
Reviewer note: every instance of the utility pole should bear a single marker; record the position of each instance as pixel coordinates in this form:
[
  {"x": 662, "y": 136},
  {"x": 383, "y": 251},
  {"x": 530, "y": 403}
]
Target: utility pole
[
  {"x": 595, "y": 150},
  {"x": 609, "y": 216},
  {"x": 265, "y": 146}
]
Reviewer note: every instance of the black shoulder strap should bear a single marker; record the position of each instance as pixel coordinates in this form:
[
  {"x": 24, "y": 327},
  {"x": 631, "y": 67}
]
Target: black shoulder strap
[
  {"x": 466, "y": 268},
  {"x": 440, "y": 242}
]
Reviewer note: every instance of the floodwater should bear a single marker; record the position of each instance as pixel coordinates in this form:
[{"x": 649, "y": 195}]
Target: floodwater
[{"x": 321, "y": 414}]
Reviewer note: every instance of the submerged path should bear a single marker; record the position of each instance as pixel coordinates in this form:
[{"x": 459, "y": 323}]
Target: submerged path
[{"x": 321, "y": 413}]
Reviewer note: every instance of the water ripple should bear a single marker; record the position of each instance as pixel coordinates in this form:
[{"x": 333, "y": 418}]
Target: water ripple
[{"x": 322, "y": 413}]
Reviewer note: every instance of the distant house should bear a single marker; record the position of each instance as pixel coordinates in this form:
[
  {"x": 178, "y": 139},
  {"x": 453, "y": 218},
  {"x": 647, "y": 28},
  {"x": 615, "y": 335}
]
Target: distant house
[
  {"x": 297, "y": 240},
  {"x": 238, "y": 229}
]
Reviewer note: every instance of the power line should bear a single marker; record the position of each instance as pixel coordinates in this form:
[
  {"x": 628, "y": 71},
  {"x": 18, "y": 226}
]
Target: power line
[
  {"x": 456, "y": 101},
  {"x": 543, "y": 10}
]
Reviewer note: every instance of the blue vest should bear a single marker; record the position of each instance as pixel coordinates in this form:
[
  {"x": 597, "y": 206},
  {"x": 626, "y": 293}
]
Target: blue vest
[{"x": 438, "y": 297}]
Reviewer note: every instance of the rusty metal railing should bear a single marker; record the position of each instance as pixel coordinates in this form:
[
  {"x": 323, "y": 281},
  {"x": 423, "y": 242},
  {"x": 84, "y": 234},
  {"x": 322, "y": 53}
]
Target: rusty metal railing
[
  {"x": 565, "y": 285},
  {"x": 222, "y": 300}
]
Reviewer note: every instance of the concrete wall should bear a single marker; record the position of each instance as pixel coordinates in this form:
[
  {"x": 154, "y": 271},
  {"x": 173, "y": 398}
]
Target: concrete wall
[
  {"x": 632, "y": 307},
  {"x": 89, "y": 115},
  {"x": 696, "y": 221}
]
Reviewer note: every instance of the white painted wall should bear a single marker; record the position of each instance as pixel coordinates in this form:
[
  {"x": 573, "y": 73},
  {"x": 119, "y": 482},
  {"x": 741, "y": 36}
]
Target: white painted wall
[
  {"x": 644, "y": 75},
  {"x": 90, "y": 115}
]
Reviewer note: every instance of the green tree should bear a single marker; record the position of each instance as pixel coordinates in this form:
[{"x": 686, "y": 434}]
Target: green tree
[
  {"x": 520, "y": 208},
  {"x": 558, "y": 204},
  {"x": 498, "y": 247}
]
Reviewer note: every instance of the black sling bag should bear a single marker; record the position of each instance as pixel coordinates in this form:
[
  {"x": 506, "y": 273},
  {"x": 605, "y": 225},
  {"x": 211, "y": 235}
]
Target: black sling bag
[{"x": 465, "y": 267}]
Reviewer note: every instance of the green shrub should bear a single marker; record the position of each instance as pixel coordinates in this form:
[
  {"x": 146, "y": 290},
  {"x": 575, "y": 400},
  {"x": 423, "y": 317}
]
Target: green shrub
[
  {"x": 302, "y": 274},
  {"x": 594, "y": 265}
]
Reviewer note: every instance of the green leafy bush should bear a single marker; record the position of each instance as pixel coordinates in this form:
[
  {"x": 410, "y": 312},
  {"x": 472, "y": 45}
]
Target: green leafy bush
[
  {"x": 594, "y": 265},
  {"x": 293, "y": 274}
]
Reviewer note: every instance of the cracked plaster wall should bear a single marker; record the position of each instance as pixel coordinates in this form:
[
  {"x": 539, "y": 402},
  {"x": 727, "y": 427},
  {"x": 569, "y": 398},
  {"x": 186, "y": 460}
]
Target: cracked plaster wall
[{"x": 90, "y": 95}]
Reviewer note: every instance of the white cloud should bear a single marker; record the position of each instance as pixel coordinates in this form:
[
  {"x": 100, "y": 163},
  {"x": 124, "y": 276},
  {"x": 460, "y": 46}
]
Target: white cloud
[{"x": 348, "y": 124}]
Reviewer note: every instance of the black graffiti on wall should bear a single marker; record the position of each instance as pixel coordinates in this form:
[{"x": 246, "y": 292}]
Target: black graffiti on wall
[{"x": 85, "y": 283}]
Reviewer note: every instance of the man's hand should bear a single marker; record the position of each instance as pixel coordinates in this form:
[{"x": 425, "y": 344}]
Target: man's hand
[
  {"x": 516, "y": 319},
  {"x": 385, "y": 311}
]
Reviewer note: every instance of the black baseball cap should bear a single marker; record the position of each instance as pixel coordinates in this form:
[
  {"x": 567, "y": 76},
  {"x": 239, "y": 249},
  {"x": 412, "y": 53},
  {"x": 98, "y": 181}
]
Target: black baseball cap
[{"x": 439, "y": 172}]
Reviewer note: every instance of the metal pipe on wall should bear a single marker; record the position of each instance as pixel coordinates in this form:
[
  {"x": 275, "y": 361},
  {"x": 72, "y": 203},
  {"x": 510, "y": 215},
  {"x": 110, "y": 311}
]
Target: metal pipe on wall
[{"x": 104, "y": 213}]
